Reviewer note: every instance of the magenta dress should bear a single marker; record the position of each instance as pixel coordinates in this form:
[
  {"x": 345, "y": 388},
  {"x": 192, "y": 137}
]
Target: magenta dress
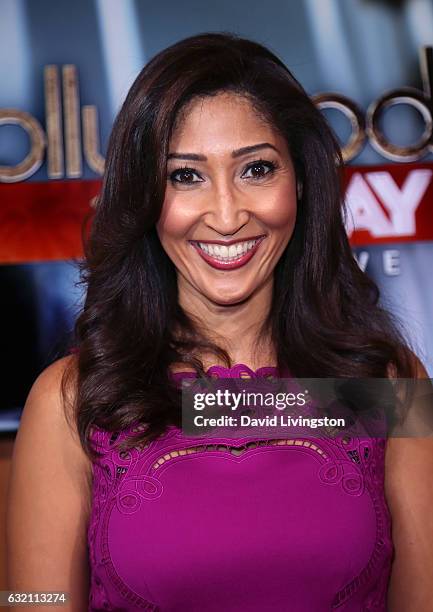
[{"x": 184, "y": 526}]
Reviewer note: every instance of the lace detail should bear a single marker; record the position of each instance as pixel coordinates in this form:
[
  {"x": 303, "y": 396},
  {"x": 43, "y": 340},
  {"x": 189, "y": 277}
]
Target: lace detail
[
  {"x": 239, "y": 370},
  {"x": 106, "y": 474},
  {"x": 369, "y": 458},
  {"x": 98, "y": 597},
  {"x": 127, "y": 479},
  {"x": 236, "y": 451}
]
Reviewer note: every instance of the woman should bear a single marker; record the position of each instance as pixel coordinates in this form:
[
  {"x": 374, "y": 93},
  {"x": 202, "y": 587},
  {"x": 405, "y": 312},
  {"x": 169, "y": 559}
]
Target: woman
[{"x": 218, "y": 247}]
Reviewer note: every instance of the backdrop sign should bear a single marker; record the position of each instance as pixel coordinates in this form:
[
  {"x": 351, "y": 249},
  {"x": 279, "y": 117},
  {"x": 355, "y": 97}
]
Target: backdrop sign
[{"x": 57, "y": 103}]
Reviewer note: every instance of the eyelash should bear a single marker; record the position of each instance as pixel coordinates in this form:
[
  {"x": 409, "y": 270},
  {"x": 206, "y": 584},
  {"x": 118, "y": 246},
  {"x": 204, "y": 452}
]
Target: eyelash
[{"x": 258, "y": 162}]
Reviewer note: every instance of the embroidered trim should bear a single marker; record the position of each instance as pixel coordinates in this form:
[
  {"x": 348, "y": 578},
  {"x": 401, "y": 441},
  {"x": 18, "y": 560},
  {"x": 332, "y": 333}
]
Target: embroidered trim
[
  {"x": 126, "y": 592},
  {"x": 354, "y": 463},
  {"x": 235, "y": 450},
  {"x": 104, "y": 485},
  {"x": 381, "y": 554}
]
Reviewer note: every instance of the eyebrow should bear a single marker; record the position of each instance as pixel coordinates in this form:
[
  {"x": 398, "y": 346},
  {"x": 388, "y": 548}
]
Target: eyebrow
[{"x": 235, "y": 153}]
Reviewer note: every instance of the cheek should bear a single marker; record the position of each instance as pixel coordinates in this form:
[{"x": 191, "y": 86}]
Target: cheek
[
  {"x": 174, "y": 222},
  {"x": 279, "y": 210}
]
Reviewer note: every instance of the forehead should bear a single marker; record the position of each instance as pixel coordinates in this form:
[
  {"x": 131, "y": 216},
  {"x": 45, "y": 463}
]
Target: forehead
[{"x": 220, "y": 121}]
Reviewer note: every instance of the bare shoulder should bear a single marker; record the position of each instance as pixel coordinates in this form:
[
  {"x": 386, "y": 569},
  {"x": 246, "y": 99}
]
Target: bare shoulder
[
  {"x": 49, "y": 496},
  {"x": 48, "y": 381},
  {"x": 46, "y": 417},
  {"x": 409, "y": 493},
  {"x": 412, "y": 443},
  {"x": 47, "y": 387}
]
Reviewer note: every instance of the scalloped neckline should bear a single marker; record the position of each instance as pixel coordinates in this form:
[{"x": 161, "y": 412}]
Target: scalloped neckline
[{"x": 233, "y": 372}]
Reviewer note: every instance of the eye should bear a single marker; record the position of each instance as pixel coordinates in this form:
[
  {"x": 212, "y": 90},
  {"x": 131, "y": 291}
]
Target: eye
[
  {"x": 184, "y": 175},
  {"x": 259, "y": 169}
]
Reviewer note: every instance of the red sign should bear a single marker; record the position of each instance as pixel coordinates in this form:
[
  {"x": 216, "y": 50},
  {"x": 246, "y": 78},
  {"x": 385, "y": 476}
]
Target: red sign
[{"x": 385, "y": 203}]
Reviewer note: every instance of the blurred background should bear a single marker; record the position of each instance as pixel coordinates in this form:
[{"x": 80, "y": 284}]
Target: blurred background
[{"x": 65, "y": 68}]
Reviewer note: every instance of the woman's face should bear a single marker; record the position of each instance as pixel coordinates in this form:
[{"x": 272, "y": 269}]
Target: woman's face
[{"x": 230, "y": 202}]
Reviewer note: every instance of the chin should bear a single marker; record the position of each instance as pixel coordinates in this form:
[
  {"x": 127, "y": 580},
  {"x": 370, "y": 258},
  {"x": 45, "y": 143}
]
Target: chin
[{"x": 229, "y": 299}]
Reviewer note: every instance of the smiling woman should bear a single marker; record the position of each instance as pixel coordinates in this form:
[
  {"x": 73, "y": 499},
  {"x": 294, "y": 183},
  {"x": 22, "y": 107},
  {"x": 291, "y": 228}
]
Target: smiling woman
[
  {"x": 233, "y": 209},
  {"x": 218, "y": 248}
]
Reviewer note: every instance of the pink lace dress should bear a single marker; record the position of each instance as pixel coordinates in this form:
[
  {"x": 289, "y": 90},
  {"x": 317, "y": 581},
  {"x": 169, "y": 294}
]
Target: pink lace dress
[{"x": 181, "y": 525}]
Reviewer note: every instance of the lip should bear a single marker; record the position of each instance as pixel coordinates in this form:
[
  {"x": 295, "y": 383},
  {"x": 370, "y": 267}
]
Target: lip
[
  {"x": 230, "y": 265},
  {"x": 229, "y": 242}
]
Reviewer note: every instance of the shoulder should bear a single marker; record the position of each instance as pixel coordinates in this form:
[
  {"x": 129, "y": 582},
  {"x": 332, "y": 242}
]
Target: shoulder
[
  {"x": 409, "y": 449},
  {"x": 47, "y": 420},
  {"x": 45, "y": 403},
  {"x": 414, "y": 434},
  {"x": 409, "y": 494},
  {"x": 48, "y": 381},
  {"x": 49, "y": 493}
]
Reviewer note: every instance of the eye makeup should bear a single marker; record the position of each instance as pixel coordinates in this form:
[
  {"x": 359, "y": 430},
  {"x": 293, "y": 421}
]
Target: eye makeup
[{"x": 188, "y": 171}]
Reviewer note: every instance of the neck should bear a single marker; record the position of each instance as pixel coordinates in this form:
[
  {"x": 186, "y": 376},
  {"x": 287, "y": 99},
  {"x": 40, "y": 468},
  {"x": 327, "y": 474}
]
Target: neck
[{"x": 234, "y": 327}]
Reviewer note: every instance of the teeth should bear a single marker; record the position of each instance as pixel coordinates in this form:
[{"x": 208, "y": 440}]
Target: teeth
[{"x": 223, "y": 253}]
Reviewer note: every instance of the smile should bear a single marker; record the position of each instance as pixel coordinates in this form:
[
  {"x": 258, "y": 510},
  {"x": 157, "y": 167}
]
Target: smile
[{"x": 227, "y": 256}]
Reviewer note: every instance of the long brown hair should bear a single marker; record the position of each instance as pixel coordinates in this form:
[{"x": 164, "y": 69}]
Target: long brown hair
[{"x": 325, "y": 319}]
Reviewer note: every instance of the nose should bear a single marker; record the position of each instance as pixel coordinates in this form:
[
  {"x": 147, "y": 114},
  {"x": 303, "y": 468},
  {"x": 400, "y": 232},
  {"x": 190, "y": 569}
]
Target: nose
[{"x": 228, "y": 210}]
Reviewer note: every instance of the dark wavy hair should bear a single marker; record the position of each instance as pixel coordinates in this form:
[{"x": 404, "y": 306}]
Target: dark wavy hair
[{"x": 325, "y": 318}]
